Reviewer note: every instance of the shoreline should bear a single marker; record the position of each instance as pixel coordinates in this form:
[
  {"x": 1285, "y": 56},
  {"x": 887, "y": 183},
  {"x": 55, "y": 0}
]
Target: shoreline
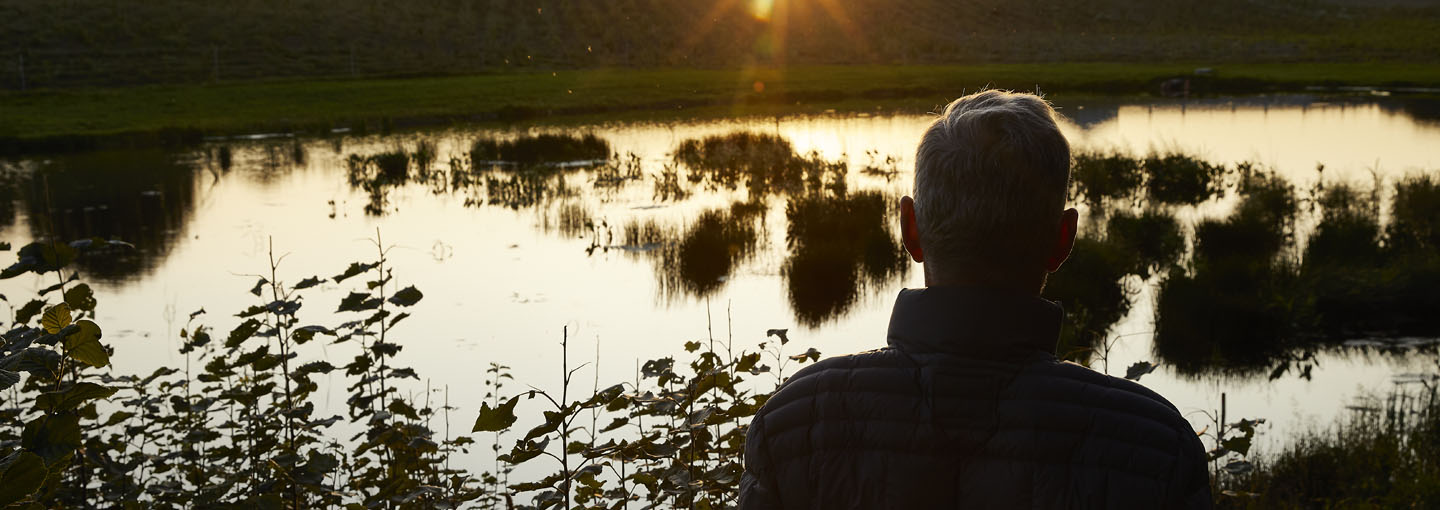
[{"x": 72, "y": 120}]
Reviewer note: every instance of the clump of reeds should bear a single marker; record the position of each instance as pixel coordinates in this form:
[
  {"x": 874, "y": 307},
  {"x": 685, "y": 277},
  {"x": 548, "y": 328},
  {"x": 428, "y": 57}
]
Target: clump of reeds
[
  {"x": 667, "y": 184},
  {"x": 1181, "y": 179},
  {"x": 617, "y": 171},
  {"x": 1099, "y": 176},
  {"x": 1349, "y": 230},
  {"x": 1415, "y": 220},
  {"x": 393, "y": 166},
  {"x": 1383, "y": 455},
  {"x": 887, "y": 169},
  {"x": 1236, "y": 306},
  {"x": 643, "y": 234},
  {"x": 838, "y": 244},
  {"x": 526, "y": 188},
  {"x": 698, "y": 259},
  {"x": 424, "y": 155},
  {"x": 570, "y": 219},
  {"x": 1151, "y": 241},
  {"x": 1090, "y": 285},
  {"x": 762, "y": 162},
  {"x": 542, "y": 149}
]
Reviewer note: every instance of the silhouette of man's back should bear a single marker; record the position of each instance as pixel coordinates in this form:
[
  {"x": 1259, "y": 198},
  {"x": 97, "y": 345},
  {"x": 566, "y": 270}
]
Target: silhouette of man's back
[{"x": 968, "y": 406}]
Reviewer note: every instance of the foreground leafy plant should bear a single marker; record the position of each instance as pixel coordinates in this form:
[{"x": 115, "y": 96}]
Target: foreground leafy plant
[{"x": 45, "y": 460}]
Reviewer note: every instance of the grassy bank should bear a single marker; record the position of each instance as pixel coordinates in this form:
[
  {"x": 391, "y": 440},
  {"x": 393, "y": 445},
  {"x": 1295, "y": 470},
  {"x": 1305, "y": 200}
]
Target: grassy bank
[
  {"x": 1385, "y": 455},
  {"x": 84, "y": 118},
  {"x": 100, "y": 43}
]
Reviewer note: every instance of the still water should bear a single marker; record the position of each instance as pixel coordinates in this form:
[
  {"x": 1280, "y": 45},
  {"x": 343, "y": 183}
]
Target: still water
[{"x": 623, "y": 264}]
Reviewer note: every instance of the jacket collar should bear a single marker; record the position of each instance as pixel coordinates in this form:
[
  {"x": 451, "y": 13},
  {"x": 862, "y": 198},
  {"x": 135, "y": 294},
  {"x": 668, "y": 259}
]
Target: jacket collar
[{"x": 971, "y": 321}]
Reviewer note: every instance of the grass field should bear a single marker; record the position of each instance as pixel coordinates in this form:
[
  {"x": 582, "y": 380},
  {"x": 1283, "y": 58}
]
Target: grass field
[
  {"x": 107, "y": 43},
  {"x": 77, "y": 118}
]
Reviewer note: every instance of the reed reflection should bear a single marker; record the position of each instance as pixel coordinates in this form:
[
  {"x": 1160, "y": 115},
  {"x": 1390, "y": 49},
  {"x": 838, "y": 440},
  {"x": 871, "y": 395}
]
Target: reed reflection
[{"x": 141, "y": 197}]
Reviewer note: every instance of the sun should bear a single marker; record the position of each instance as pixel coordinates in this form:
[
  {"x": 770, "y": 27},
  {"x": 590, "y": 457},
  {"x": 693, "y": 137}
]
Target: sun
[{"x": 762, "y": 9}]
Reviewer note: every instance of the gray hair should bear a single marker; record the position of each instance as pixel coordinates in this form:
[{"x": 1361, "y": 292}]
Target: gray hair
[{"x": 991, "y": 176}]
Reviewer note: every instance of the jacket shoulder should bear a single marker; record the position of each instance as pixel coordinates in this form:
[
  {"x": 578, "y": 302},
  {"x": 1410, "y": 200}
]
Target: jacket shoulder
[
  {"x": 1106, "y": 388},
  {"x": 829, "y": 379}
]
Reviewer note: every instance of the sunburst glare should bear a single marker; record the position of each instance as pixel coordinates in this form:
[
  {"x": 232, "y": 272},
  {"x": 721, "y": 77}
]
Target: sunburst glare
[{"x": 762, "y": 9}]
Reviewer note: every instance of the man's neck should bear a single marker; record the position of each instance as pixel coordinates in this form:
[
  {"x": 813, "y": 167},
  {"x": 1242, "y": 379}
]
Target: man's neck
[{"x": 997, "y": 280}]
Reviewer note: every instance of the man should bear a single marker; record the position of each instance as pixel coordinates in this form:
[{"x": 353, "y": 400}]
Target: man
[{"x": 968, "y": 407}]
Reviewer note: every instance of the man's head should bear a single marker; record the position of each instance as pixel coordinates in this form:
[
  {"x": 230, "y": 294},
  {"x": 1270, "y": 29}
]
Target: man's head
[{"x": 991, "y": 176}]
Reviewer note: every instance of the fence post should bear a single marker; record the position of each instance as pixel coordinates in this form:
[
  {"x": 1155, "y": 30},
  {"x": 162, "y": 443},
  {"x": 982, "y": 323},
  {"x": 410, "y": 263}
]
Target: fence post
[{"x": 22, "y": 72}]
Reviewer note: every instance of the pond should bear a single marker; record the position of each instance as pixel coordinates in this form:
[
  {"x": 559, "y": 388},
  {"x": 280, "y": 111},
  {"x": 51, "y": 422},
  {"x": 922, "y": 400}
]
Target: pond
[{"x": 636, "y": 237}]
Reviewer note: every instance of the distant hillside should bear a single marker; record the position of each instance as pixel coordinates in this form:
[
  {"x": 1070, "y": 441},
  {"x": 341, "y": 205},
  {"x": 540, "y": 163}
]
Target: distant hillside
[{"x": 64, "y": 43}]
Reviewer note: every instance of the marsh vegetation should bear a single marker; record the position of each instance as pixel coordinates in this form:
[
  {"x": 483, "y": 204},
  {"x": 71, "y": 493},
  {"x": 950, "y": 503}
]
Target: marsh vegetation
[{"x": 1245, "y": 272}]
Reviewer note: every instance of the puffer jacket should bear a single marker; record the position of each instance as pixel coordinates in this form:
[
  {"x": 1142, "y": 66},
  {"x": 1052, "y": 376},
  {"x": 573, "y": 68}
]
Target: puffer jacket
[{"x": 969, "y": 408}]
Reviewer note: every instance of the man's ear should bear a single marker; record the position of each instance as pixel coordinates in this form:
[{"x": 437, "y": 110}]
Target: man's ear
[
  {"x": 1065, "y": 242},
  {"x": 909, "y": 230}
]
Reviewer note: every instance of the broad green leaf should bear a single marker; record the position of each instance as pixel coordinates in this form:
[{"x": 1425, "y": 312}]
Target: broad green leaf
[
  {"x": 354, "y": 269},
  {"x": 8, "y": 378},
  {"x": 407, "y": 296},
  {"x": 1239, "y": 444},
  {"x": 265, "y": 363},
  {"x": 265, "y": 502},
  {"x": 553, "y": 420},
  {"x": 118, "y": 417},
  {"x": 524, "y": 451},
  {"x": 313, "y": 367},
  {"x": 715, "y": 380},
  {"x": 35, "y": 360},
  {"x": 29, "y": 311},
  {"x": 198, "y": 339},
  {"x": 401, "y": 408},
  {"x": 56, "y": 318},
  {"x": 22, "y": 478},
  {"x": 52, "y": 255},
  {"x": 72, "y": 397},
  {"x": 306, "y": 333},
  {"x": 358, "y": 301},
  {"x": 242, "y": 333},
  {"x": 252, "y": 357},
  {"x": 259, "y": 286},
  {"x": 747, "y": 362},
  {"x": 386, "y": 349},
  {"x": 80, "y": 297},
  {"x": 699, "y": 418},
  {"x": 39, "y": 257},
  {"x": 499, "y": 418},
  {"x": 810, "y": 354},
  {"x": 316, "y": 467},
  {"x": 84, "y": 345},
  {"x": 617, "y": 423},
  {"x": 307, "y": 283},
  {"x": 1138, "y": 370},
  {"x": 52, "y": 437}
]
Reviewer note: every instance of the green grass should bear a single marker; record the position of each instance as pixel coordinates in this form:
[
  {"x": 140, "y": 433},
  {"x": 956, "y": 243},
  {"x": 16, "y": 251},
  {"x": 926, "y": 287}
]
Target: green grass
[
  {"x": 1385, "y": 455},
  {"x": 82, "y": 117},
  {"x": 79, "y": 43}
]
